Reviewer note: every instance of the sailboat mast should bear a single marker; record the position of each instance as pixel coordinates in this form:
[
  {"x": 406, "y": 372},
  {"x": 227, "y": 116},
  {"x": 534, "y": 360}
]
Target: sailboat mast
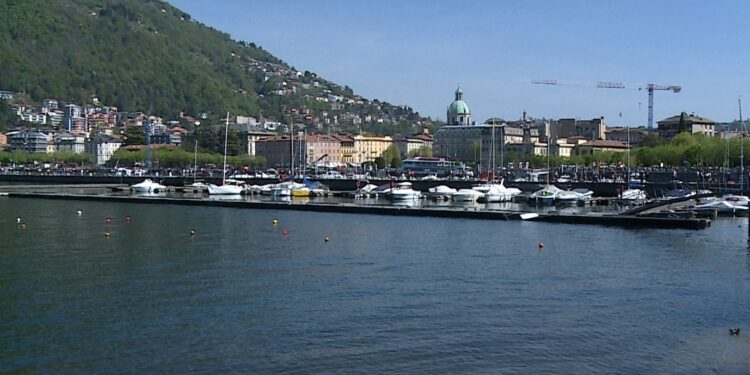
[
  {"x": 627, "y": 179},
  {"x": 548, "y": 171},
  {"x": 742, "y": 149},
  {"x": 492, "y": 164},
  {"x": 226, "y": 137},
  {"x": 291, "y": 157}
]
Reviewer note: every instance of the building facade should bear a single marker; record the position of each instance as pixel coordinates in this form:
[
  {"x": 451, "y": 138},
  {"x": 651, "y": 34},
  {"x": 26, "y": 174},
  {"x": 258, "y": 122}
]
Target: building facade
[
  {"x": 590, "y": 129},
  {"x": 671, "y": 126},
  {"x": 102, "y": 147},
  {"x": 368, "y": 148},
  {"x": 591, "y": 147},
  {"x": 31, "y": 141},
  {"x": 623, "y": 134}
]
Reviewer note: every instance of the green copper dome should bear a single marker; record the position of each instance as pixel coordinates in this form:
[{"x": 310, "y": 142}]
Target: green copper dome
[{"x": 459, "y": 106}]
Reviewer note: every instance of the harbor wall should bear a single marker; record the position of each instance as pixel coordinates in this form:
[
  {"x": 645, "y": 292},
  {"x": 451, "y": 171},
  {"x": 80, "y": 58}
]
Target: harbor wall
[{"x": 609, "y": 220}]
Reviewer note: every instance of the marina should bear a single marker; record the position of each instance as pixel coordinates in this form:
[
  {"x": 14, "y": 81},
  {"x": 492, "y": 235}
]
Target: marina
[{"x": 407, "y": 203}]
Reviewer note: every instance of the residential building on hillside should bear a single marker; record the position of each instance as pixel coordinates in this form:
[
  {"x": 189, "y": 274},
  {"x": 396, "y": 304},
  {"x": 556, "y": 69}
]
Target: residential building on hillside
[
  {"x": 55, "y": 118},
  {"x": 34, "y": 118},
  {"x": 33, "y": 141},
  {"x": 3, "y": 140},
  {"x": 671, "y": 126},
  {"x": 50, "y": 104}
]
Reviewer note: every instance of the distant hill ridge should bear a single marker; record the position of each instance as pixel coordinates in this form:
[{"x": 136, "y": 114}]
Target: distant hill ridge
[{"x": 146, "y": 55}]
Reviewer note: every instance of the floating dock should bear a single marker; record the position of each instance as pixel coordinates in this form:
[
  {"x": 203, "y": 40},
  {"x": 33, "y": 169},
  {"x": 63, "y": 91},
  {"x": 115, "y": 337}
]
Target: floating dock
[{"x": 351, "y": 208}]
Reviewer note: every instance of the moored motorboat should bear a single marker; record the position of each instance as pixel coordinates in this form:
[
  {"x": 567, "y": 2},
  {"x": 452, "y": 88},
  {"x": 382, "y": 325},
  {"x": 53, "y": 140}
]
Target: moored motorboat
[
  {"x": 441, "y": 192},
  {"x": 727, "y": 205},
  {"x": 497, "y": 192},
  {"x": 547, "y": 195},
  {"x": 574, "y": 196},
  {"x": 633, "y": 195},
  {"x": 148, "y": 186},
  {"x": 403, "y": 191},
  {"x": 467, "y": 195}
]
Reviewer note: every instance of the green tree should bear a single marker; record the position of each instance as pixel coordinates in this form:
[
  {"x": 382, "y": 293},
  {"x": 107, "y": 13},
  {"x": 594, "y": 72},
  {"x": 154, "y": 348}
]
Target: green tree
[
  {"x": 8, "y": 117},
  {"x": 380, "y": 162},
  {"x": 135, "y": 135}
]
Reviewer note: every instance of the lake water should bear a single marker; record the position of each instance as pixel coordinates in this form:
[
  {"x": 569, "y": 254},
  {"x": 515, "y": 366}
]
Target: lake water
[{"x": 384, "y": 295}]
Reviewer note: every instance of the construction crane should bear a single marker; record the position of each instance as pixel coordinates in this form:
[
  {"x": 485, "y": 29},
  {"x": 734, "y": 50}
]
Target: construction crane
[{"x": 650, "y": 87}]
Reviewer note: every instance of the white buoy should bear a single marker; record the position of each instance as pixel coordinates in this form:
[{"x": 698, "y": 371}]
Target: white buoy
[
  {"x": 79, "y": 212},
  {"x": 18, "y": 220}
]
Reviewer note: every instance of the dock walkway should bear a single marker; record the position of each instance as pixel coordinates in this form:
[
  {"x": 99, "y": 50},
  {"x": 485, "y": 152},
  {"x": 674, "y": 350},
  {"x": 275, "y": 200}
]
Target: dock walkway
[{"x": 350, "y": 208}]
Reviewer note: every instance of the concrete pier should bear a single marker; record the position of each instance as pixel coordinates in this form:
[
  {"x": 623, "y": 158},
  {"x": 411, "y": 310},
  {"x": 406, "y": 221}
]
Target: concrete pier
[{"x": 350, "y": 208}]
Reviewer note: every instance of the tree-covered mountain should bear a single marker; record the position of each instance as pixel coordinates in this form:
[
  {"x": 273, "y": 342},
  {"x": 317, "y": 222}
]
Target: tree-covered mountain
[{"x": 146, "y": 55}]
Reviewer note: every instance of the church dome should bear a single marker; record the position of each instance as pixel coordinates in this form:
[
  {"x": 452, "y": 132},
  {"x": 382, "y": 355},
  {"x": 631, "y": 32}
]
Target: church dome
[
  {"x": 458, "y": 111},
  {"x": 459, "y": 106}
]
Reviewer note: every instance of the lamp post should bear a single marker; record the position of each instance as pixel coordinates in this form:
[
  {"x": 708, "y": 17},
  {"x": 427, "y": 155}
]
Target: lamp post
[{"x": 195, "y": 139}]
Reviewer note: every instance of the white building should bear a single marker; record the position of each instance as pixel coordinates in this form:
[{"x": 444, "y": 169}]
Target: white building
[
  {"x": 34, "y": 118},
  {"x": 102, "y": 147}
]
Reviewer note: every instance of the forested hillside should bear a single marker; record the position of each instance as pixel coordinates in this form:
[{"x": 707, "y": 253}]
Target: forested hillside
[{"x": 146, "y": 55}]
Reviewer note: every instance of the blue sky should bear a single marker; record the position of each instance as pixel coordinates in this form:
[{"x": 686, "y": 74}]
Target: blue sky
[{"x": 416, "y": 52}]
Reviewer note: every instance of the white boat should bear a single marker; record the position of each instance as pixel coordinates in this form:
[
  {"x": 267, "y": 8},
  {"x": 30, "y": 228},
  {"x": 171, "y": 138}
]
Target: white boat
[
  {"x": 497, "y": 192},
  {"x": 403, "y": 191},
  {"x": 227, "y": 187},
  {"x": 564, "y": 179},
  {"x": 266, "y": 189},
  {"x": 281, "y": 190},
  {"x": 728, "y": 204},
  {"x": 633, "y": 195},
  {"x": 737, "y": 199},
  {"x": 574, "y": 196},
  {"x": 198, "y": 186},
  {"x": 148, "y": 186},
  {"x": 441, "y": 192},
  {"x": 547, "y": 195},
  {"x": 467, "y": 195}
]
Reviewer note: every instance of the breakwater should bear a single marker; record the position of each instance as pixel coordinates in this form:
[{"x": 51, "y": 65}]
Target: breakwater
[{"x": 347, "y": 208}]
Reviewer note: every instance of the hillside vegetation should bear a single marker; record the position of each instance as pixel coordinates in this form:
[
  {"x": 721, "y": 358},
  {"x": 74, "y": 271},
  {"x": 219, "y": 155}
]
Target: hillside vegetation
[{"x": 146, "y": 55}]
